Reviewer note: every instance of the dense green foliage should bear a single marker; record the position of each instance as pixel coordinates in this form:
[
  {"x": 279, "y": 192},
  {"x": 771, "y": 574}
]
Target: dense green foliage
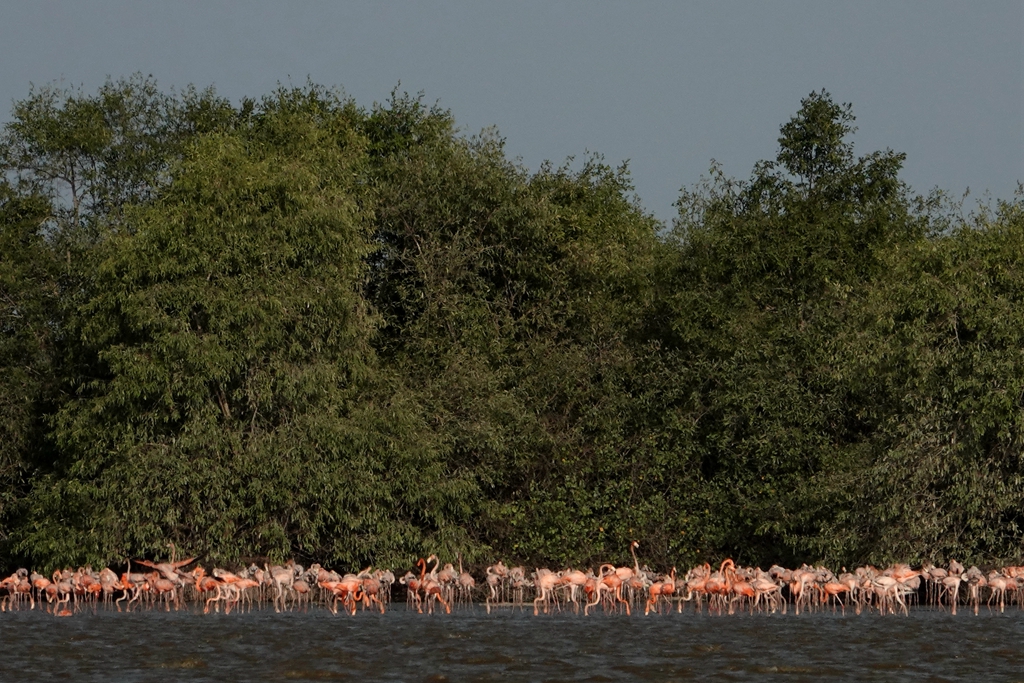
[{"x": 296, "y": 327}]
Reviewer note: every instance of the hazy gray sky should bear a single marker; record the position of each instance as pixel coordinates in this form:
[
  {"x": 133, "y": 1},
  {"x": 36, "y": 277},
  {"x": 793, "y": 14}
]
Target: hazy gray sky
[{"x": 667, "y": 85}]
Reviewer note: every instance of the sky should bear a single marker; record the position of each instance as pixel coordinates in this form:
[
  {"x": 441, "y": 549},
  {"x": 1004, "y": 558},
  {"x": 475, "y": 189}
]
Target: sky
[{"x": 666, "y": 86}]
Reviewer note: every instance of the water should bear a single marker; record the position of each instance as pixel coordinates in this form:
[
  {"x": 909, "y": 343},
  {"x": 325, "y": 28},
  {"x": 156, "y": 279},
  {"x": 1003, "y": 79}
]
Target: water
[{"x": 470, "y": 645}]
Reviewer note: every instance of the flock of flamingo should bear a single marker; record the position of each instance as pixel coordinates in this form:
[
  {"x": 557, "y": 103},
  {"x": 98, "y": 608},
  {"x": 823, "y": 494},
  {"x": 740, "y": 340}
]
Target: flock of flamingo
[{"x": 728, "y": 589}]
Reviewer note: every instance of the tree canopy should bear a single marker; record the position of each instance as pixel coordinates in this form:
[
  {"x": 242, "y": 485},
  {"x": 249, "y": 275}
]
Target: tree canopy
[{"x": 298, "y": 327}]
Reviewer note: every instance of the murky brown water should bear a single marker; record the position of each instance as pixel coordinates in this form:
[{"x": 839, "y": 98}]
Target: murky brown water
[{"x": 510, "y": 646}]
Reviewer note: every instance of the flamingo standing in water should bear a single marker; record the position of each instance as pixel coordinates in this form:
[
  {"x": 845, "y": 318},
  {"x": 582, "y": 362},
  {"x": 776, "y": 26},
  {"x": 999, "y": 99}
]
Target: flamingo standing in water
[
  {"x": 717, "y": 587},
  {"x": 466, "y": 583},
  {"x": 831, "y": 592},
  {"x": 206, "y": 584},
  {"x": 39, "y": 584},
  {"x": 63, "y": 590},
  {"x": 976, "y": 581},
  {"x": 664, "y": 588},
  {"x": 371, "y": 589},
  {"x": 431, "y": 586},
  {"x": 696, "y": 586},
  {"x": 950, "y": 586},
  {"x": 801, "y": 582},
  {"x": 496, "y": 574},
  {"x": 9, "y": 587},
  {"x": 738, "y": 586},
  {"x": 19, "y": 587},
  {"x": 347, "y": 591},
  {"x": 545, "y": 580},
  {"x": 997, "y": 583},
  {"x": 282, "y": 578},
  {"x": 766, "y": 590},
  {"x": 609, "y": 581},
  {"x": 574, "y": 579},
  {"x": 412, "y": 592}
]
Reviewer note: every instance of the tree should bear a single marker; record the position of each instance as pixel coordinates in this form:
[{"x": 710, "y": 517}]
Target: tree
[
  {"x": 300, "y": 328},
  {"x": 813, "y": 144},
  {"x": 508, "y": 300},
  {"x": 93, "y": 154},
  {"x": 759, "y": 294},
  {"x": 938, "y": 368},
  {"x": 228, "y": 406},
  {"x": 29, "y": 311}
]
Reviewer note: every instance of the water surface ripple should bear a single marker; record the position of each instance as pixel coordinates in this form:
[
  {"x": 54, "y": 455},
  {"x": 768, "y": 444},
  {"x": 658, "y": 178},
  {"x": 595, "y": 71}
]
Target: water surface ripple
[{"x": 470, "y": 645}]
